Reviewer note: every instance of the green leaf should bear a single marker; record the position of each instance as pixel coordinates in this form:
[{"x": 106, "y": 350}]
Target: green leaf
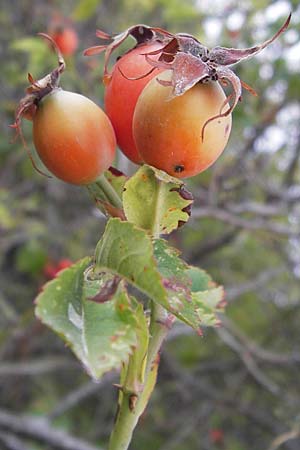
[
  {"x": 117, "y": 179},
  {"x": 206, "y": 296},
  {"x": 169, "y": 263},
  {"x": 134, "y": 379},
  {"x": 128, "y": 252},
  {"x": 177, "y": 283},
  {"x": 155, "y": 201},
  {"x": 192, "y": 295},
  {"x": 101, "y": 335},
  {"x": 208, "y": 304},
  {"x": 201, "y": 280}
]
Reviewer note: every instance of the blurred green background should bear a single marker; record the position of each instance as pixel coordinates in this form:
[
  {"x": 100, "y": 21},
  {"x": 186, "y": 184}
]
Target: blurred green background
[{"x": 235, "y": 388}]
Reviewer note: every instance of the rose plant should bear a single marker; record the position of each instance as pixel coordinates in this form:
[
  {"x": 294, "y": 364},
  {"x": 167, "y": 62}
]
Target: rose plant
[{"x": 178, "y": 123}]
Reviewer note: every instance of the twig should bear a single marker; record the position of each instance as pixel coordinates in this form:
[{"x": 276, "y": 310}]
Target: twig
[
  {"x": 290, "y": 173},
  {"x": 78, "y": 395},
  {"x": 188, "y": 426},
  {"x": 260, "y": 209},
  {"x": 249, "y": 362},
  {"x": 290, "y": 194},
  {"x": 248, "y": 224},
  {"x": 252, "y": 347},
  {"x": 41, "y": 430},
  {"x": 11, "y": 441},
  {"x": 213, "y": 245},
  {"x": 252, "y": 285},
  {"x": 257, "y": 351},
  {"x": 186, "y": 382},
  {"x": 38, "y": 367},
  {"x": 239, "y": 163},
  {"x": 284, "y": 437}
]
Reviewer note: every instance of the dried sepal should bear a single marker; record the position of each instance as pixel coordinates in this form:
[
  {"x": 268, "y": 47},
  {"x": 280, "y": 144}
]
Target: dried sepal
[
  {"x": 141, "y": 33},
  {"x": 189, "y": 60},
  {"x": 249, "y": 88},
  {"x": 39, "y": 88},
  {"x": 229, "y": 56},
  {"x": 36, "y": 90},
  {"x": 227, "y": 76},
  {"x": 187, "y": 71}
]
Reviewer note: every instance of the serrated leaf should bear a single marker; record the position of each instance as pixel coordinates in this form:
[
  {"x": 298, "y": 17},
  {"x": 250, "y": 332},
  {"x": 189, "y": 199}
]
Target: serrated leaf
[
  {"x": 152, "y": 200},
  {"x": 128, "y": 252},
  {"x": 100, "y": 334},
  {"x": 193, "y": 296},
  {"x": 177, "y": 283},
  {"x": 175, "y": 280},
  {"x": 169, "y": 263},
  {"x": 208, "y": 304},
  {"x": 201, "y": 280},
  {"x": 207, "y": 297}
]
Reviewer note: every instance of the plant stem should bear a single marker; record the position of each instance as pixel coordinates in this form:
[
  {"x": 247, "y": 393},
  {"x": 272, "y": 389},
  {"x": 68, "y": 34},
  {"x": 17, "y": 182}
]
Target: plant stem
[
  {"x": 158, "y": 330},
  {"x": 129, "y": 413},
  {"x": 127, "y": 416},
  {"x": 109, "y": 192}
]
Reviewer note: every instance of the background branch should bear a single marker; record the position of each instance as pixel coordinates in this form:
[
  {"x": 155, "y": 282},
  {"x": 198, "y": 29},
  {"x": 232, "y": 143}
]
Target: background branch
[{"x": 41, "y": 430}]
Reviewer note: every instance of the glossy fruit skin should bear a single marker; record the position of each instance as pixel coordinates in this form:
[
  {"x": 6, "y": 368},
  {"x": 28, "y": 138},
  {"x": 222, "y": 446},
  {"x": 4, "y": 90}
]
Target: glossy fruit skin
[
  {"x": 122, "y": 94},
  {"x": 66, "y": 39},
  {"x": 73, "y": 137},
  {"x": 168, "y": 133}
]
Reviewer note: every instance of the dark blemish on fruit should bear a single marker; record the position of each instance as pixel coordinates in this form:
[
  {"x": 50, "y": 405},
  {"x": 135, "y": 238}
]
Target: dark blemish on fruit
[{"x": 179, "y": 168}]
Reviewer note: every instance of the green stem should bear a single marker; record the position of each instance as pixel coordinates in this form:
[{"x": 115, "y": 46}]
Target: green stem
[
  {"x": 128, "y": 416},
  {"x": 158, "y": 330},
  {"x": 109, "y": 191},
  {"x": 129, "y": 412}
]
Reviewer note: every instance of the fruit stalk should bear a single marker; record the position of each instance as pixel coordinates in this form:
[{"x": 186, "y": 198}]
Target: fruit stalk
[{"x": 109, "y": 192}]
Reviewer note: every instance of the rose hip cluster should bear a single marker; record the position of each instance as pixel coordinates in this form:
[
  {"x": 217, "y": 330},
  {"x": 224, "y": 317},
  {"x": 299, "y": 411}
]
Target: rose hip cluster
[{"x": 164, "y": 102}]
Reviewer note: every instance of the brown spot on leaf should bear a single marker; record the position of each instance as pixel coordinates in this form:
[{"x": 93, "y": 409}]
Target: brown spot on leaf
[
  {"x": 107, "y": 291},
  {"x": 116, "y": 172}
]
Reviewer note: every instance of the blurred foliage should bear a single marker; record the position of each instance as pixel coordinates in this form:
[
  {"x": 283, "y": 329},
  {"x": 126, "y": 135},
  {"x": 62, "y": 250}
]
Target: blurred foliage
[{"x": 242, "y": 380}]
